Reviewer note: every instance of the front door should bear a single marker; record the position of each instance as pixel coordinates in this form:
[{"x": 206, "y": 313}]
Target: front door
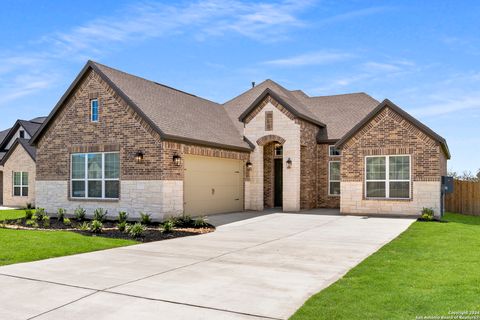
[{"x": 278, "y": 193}]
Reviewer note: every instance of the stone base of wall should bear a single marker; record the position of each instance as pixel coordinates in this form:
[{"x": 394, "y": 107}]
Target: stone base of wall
[
  {"x": 160, "y": 198},
  {"x": 424, "y": 194}
]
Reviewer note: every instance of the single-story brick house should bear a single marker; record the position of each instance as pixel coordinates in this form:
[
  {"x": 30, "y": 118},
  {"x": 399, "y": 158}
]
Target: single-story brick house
[
  {"x": 122, "y": 142},
  {"x": 17, "y": 163}
]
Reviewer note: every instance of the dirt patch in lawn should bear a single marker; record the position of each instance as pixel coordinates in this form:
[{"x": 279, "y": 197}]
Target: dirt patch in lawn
[{"x": 153, "y": 231}]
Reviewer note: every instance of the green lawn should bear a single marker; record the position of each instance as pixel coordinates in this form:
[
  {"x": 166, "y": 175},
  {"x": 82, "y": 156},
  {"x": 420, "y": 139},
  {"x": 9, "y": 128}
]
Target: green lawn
[
  {"x": 27, "y": 245},
  {"x": 430, "y": 269},
  {"x": 11, "y": 214}
]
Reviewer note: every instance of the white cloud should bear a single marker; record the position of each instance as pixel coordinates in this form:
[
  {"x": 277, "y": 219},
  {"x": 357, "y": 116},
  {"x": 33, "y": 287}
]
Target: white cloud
[
  {"x": 313, "y": 58},
  {"x": 449, "y": 105},
  {"x": 263, "y": 21}
]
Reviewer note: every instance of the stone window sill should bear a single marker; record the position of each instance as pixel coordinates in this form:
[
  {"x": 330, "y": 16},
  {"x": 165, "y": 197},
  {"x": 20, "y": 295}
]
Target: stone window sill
[
  {"x": 93, "y": 200},
  {"x": 388, "y": 199}
]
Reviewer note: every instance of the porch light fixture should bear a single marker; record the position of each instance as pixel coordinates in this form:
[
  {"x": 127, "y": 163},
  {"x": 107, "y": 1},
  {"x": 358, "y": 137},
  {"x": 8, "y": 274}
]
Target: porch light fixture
[
  {"x": 249, "y": 165},
  {"x": 289, "y": 163},
  {"x": 177, "y": 160},
  {"x": 139, "y": 156}
]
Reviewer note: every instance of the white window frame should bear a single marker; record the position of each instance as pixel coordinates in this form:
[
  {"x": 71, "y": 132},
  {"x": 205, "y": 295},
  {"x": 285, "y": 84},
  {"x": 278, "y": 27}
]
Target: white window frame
[
  {"x": 91, "y": 110},
  {"x": 330, "y": 147},
  {"x": 329, "y": 180},
  {"x": 21, "y": 185},
  {"x": 86, "y": 179},
  {"x": 387, "y": 177}
]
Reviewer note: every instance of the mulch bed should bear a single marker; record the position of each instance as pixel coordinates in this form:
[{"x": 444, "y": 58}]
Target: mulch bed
[{"x": 152, "y": 231}]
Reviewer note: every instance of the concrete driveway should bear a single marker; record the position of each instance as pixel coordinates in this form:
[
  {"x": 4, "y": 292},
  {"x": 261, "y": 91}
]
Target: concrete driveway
[{"x": 260, "y": 268}]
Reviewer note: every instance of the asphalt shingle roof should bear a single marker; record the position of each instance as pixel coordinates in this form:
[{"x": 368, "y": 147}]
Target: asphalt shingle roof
[
  {"x": 176, "y": 113},
  {"x": 340, "y": 113}
]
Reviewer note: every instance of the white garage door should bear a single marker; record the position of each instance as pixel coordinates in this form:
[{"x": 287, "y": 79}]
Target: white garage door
[{"x": 212, "y": 185}]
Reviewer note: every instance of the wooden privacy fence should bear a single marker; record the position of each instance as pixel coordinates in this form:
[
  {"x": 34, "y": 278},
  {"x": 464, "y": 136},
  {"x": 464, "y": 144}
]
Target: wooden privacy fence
[{"x": 465, "y": 198}]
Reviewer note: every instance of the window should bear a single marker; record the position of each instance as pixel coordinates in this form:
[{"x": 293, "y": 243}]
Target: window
[
  {"x": 334, "y": 178},
  {"x": 21, "y": 133},
  {"x": 387, "y": 177},
  {"x": 268, "y": 120},
  {"x": 278, "y": 150},
  {"x": 332, "y": 151},
  {"x": 95, "y": 175},
  {"x": 20, "y": 184},
  {"x": 94, "y": 110}
]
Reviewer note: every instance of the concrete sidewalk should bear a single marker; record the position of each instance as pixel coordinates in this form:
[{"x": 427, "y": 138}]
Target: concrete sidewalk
[{"x": 260, "y": 268}]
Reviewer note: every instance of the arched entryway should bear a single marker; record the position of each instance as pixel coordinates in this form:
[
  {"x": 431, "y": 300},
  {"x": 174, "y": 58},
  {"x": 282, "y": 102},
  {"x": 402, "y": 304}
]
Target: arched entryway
[{"x": 272, "y": 170}]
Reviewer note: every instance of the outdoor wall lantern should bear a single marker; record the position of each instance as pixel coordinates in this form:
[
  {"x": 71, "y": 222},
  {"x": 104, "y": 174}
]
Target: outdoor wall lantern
[
  {"x": 249, "y": 165},
  {"x": 177, "y": 160},
  {"x": 289, "y": 163},
  {"x": 139, "y": 156}
]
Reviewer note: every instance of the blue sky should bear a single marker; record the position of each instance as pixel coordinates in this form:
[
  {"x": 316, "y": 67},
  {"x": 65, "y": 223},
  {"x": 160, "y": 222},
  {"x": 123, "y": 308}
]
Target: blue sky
[{"x": 422, "y": 55}]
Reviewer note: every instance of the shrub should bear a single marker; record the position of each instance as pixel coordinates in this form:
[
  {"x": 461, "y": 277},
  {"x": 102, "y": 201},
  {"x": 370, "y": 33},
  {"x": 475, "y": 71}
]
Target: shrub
[
  {"x": 184, "y": 220},
  {"x": 136, "y": 230},
  {"x": 80, "y": 213},
  {"x": 100, "y": 214},
  {"x": 28, "y": 214},
  {"x": 200, "y": 222},
  {"x": 122, "y": 216},
  {"x": 67, "y": 222},
  {"x": 61, "y": 214},
  {"x": 96, "y": 226},
  {"x": 122, "y": 226},
  {"x": 427, "y": 214},
  {"x": 84, "y": 226},
  {"x": 19, "y": 221},
  {"x": 46, "y": 221},
  {"x": 29, "y": 205},
  {"x": 39, "y": 214},
  {"x": 168, "y": 226},
  {"x": 145, "y": 218},
  {"x": 31, "y": 223}
]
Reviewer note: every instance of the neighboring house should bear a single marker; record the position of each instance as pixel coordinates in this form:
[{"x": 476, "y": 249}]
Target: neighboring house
[
  {"x": 121, "y": 142},
  {"x": 17, "y": 163}
]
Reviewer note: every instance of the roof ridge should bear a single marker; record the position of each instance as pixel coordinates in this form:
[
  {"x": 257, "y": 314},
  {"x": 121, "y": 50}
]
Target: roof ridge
[
  {"x": 151, "y": 81},
  {"x": 245, "y": 92},
  {"x": 342, "y": 94}
]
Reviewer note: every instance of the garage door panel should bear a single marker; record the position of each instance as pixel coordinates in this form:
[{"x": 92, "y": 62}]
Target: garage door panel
[{"x": 212, "y": 185}]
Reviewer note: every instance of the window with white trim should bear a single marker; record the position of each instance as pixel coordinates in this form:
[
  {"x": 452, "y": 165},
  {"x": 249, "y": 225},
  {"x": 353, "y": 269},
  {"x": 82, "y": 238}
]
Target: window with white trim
[
  {"x": 387, "y": 177},
  {"x": 334, "y": 178},
  {"x": 95, "y": 175},
  {"x": 94, "y": 110},
  {"x": 20, "y": 184},
  {"x": 332, "y": 151}
]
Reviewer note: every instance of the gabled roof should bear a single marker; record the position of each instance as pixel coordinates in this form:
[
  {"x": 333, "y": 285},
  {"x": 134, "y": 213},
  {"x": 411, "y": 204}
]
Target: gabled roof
[
  {"x": 31, "y": 150},
  {"x": 30, "y": 127},
  {"x": 301, "y": 113},
  {"x": 174, "y": 114},
  {"x": 387, "y": 103},
  {"x": 338, "y": 112}
]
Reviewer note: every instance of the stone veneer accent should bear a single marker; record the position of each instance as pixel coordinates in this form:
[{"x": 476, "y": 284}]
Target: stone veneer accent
[
  {"x": 160, "y": 198},
  {"x": 18, "y": 161},
  {"x": 308, "y": 165},
  {"x": 121, "y": 129},
  {"x": 323, "y": 158},
  {"x": 287, "y": 129},
  {"x": 388, "y": 134}
]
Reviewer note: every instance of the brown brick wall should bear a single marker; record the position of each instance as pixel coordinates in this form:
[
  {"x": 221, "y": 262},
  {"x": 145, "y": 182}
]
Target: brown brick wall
[
  {"x": 323, "y": 158},
  {"x": 388, "y": 134},
  {"x": 119, "y": 128},
  {"x": 308, "y": 165},
  {"x": 268, "y": 175},
  {"x": 173, "y": 172},
  {"x": 118, "y": 124}
]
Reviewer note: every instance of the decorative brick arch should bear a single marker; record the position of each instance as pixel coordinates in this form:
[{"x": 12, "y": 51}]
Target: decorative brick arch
[{"x": 270, "y": 138}]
